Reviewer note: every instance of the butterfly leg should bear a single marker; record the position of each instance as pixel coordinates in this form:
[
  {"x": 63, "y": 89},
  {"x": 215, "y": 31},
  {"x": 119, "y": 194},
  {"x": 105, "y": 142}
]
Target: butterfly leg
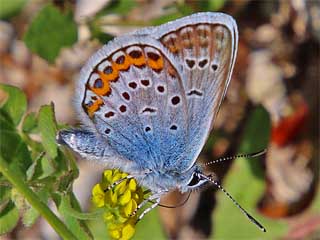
[
  {"x": 118, "y": 182},
  {"x": 149, "y": 209},
  {"x": 123, "y": 179},
  {"x": 155, "y": 196}
]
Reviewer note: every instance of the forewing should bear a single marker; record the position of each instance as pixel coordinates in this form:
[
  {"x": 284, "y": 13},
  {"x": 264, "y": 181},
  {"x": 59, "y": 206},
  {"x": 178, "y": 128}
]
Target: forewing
[
  {"x": 205, "y": 46},
  {"x": 131, "y": 94}
]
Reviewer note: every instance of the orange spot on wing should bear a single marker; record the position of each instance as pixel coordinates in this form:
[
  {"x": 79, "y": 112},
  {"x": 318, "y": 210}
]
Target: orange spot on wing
[
  {"x": 110, "y": 77},
  {"x": 138, "y": 61},
  {"x": 104, "y": 90},
  {"x": 172, "y": 45},
  {"x": 173, "y": 48},
  {"x": 156, "y": 65},
  {"x": 122, "y": 65},
  {"x": 94, "y": 107}
]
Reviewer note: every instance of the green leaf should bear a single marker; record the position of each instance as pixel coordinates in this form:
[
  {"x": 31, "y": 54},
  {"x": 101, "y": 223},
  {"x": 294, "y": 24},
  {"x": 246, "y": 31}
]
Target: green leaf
[
  {"x": 216, "y": 5},
  {"x": 256, "y": 136},
  {"x": 73, "y": 224},
  {"x": 31, "y": 214},
  {"x": 150, "y": 227},
  {"x": 97, "y": 33},
  {"x": 35, "y": 170},
  {"x": 9, "y": 217},
  {"x": 15, "y": 104},
  {"x": 5, "y": 196},
  {"x": 18, "y": 199},
  {"x": 29, "y": 124},
  {"x": 50, "y": 31},
  {"x": 48, "y": 129},
  {"x": 121, "y": 7},
  {"x": 245, "y": 183},
  {"x": 166, "y": 18},
  {"x": 257, "y": 131},
  {"x": 4, "y": 193},
  {"x": 83, "y": 216},
  {"x": 12, "y": 147},
  {"x": 30, "y": 217},
  {"x": 246, "y": 188},
  {"x": 10, "y": 8}
]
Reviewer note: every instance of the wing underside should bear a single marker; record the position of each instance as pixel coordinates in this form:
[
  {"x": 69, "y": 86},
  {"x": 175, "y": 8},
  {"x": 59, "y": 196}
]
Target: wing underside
[{"x": 152, "y": 96}]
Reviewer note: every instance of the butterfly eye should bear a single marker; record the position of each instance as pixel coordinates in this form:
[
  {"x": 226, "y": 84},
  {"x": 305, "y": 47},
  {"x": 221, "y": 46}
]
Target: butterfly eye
[{"x": 196, "y": 181}]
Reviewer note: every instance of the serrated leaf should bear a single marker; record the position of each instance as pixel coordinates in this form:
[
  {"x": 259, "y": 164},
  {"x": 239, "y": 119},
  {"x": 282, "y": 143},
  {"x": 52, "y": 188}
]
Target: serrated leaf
[
  {"x": 9, "y": 217},
  {"x": 29, "y": 123},
  {"x": 47, "y": 127},
  {"x": 50, "y": 31},
  {"x": 16, "y": 103},
  {"x": 10, "y": 8}
]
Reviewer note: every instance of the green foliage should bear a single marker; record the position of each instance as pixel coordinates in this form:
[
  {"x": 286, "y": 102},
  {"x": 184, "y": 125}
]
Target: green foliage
[
  {"x": 16, "y": 103},
  {"x": 215, "y": 5},
  {"x": 12, "y": 147},
  {"x": 50, "y": 31},
  {"x": 74, "y": 224},
  {"x": 120, "y": 7},
  {"x": 36, "y": 168},
  {"x": 9, "y": 8},
  {"x": 47, "y": 128},
  {"x": 9, "y": 216},
  {"x": 29, "y": 123},
  {"x": 246, "y": 187},
  {"x": 150, "y": 227}
]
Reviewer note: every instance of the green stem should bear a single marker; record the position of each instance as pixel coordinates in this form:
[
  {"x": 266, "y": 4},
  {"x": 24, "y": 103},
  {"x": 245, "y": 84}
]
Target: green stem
[{"x": 34, "y": 201}]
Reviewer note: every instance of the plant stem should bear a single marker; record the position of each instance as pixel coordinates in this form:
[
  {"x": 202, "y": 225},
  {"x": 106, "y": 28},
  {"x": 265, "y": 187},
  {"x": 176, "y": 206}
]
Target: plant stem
[{"x": 34, "y": 201}]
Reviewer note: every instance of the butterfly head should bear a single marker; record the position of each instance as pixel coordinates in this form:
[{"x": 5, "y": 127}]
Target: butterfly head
[{"x": 194, "y": 180}]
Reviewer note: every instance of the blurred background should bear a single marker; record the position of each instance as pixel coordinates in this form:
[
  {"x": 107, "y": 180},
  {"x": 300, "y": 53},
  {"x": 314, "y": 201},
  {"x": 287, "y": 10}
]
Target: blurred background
[{"x": 272, "y": 102}]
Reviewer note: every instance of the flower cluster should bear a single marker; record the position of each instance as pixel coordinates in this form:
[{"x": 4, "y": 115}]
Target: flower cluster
[{"x": 119, "y": 203}]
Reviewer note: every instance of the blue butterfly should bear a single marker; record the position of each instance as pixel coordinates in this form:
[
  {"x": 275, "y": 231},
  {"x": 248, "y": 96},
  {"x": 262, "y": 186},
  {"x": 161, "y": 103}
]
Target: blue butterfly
[{"x": 147, "y": 102}]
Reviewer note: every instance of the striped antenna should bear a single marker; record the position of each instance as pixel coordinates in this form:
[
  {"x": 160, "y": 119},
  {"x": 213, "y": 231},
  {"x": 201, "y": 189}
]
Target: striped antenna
[
  {"x": 249, "y": 155},
  {"x": 252, "y": 219}
]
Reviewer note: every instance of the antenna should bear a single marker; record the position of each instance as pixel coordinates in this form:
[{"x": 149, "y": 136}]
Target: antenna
[
  {"x": 252, "y": 219},
  {"x": 249, "y": 155}
]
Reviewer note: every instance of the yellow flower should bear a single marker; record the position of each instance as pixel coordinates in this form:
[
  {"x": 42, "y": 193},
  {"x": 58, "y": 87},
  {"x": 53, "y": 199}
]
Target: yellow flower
[
  {"x": 119, "y": 203},
  {"x": 98, "y": 196}
]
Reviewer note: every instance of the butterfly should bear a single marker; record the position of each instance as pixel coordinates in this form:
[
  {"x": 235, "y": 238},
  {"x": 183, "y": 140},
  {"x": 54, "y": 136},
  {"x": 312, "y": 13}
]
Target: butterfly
[{"x": 147, "y": 101}]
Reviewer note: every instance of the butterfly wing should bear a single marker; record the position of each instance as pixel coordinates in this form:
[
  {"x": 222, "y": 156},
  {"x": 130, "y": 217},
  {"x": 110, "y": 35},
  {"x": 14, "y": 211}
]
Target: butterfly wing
[
  {"x": 205, "y": 47},
  {"x": 149, "y": 104},
  {"x": 131, "y": 95}
]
